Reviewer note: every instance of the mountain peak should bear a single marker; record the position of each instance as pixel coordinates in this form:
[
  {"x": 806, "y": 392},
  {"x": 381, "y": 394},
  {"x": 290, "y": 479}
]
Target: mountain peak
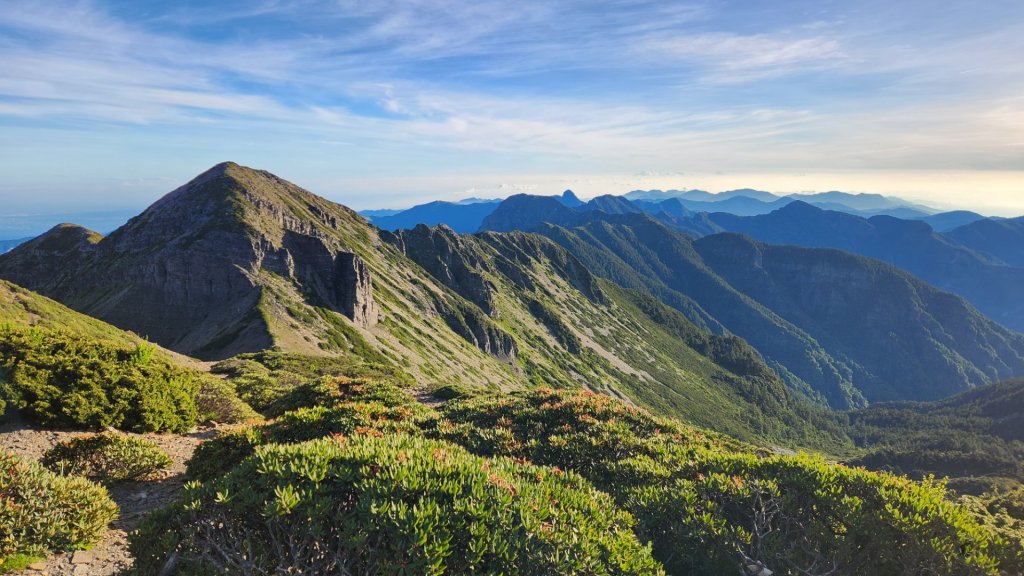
[
  {"x": 526, "y": 212},
  {"x": 570, "y": 199},
  {"x": 208, "y": 257},
  {"x": 800, "y": 207}
]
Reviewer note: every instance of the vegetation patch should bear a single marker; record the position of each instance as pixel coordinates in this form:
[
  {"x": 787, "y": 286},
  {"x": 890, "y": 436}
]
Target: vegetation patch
[
  {"x": 64, "y": 380},
  {"x": 109, "y": 457},
  {"x": 395, "y": 505},
  {"x": 710, "y": 505},
  {"x": 42, "y": 512},
  {"x": 707, "y": 503}
]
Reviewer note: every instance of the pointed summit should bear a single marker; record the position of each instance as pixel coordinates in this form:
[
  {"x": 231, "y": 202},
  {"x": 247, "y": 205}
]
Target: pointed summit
[
  {"x": 196, "y": 271},
  {"x": 569, "y": 199}
]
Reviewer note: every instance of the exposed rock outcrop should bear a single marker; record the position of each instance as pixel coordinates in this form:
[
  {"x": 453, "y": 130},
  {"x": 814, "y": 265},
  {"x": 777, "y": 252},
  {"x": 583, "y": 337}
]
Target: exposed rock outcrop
[
  {"x": 189, "y": 272},
  {"x": 447, "y": 257}
]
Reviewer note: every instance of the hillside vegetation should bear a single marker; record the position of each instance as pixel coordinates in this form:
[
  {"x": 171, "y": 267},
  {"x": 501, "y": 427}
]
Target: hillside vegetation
[
  {"x": 976, "y": 438},
  {"x": 361, "y": 466},
  {"x": 62, "y": 369}
]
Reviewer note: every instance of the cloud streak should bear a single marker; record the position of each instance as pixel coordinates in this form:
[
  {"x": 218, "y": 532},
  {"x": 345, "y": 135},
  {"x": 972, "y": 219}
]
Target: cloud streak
[{"x": 620, "y": 85}]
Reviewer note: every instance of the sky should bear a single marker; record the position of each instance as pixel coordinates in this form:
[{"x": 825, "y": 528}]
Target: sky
[{"x": 107, "y": 105}]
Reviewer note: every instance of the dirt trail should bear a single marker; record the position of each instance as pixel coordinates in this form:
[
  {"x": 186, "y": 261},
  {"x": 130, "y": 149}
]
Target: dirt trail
[{"x": 135, "y": 499}]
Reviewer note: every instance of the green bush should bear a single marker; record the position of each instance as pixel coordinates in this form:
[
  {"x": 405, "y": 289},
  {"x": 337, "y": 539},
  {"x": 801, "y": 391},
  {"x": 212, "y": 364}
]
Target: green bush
[
  {"x": 218, "y": 456},
  {"x": 274, "y": 382},
  {"x": 393, "y": 505},
  {"x": 257, "y": 385},
  {"x": 109, "y": 457},
  {"x": 59, "y": 379},
  {"x": 325, "y": 406},
  {"x": 1003, "y": 513},
  {"x": 41, "y": 511},
  {"x": 709, "y": 505},
  {"x": 452, "y": 392},
  {"x": 217, "y": 401}
]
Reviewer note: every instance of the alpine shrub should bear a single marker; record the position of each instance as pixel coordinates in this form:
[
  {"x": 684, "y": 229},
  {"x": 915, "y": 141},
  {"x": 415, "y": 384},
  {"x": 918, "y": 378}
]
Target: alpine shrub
[
  {"x": 391, "y": 505},
  {"x": 710, "y": 505},
  {"x": 216, "y": 457},
  {"x": 108, "y": 457},
  {"x": 42, "y": 512},
  {"x": 59, "y": 379},
  {"x": 217, "y": 401}
]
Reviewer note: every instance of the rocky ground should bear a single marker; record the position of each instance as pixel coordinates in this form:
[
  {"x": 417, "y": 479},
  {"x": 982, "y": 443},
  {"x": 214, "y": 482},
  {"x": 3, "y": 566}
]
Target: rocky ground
[{"x": 135, "y": 499}]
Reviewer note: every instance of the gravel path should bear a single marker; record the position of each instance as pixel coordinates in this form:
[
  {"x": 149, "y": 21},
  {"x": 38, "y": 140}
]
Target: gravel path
[{"x": 135, "y": 499}]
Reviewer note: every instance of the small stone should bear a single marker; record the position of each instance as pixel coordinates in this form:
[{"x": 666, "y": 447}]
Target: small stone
[
  {"x": 37, "y": 566},
  {"x": 82, "y": 557}
]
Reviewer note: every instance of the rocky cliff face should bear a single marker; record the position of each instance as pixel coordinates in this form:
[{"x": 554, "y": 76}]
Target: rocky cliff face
[
  {"x": 189, "y": 271},
  {"x": 447, "y": 257}
]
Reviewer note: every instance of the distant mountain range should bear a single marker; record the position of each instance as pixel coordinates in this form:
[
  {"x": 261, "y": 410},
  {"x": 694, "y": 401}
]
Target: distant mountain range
[
  {"x": 986, "y": 281},
  {"x": 804, "y": 310},
  {"x": 465, "y": 216}
]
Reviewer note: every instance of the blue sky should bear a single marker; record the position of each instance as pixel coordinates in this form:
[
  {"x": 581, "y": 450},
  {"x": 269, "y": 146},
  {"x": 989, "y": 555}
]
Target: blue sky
[{"x": 106, "y": 105}]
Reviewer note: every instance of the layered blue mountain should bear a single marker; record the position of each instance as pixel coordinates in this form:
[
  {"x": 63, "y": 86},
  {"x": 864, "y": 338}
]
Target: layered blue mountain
[
  {"x": 871, "y": 203},
  {"x": 946, "y": 221},
  {"x": 1000, "y": 239},
  {"x": 700, "y": 195},
  {"x": 465, "y": 218},
  {"x": 986, "y": 282},
  {"x": 569, "y": 199}
]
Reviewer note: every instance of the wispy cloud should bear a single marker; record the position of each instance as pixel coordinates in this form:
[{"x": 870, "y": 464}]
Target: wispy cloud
[{"x": 618, "y": 85}]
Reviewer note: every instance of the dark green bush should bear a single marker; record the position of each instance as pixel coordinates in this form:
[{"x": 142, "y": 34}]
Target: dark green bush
[
  {"x": 274, "y": 382},
  {"x": 710, "y": 505},
  {"x": 108, "y": 457},
  {"x": 217, "y": 401},
  {"x": 452, "y": 392},
  {"x": 392, "y": 505},
  {"x": 216, "y": 457},
  {"x": 256, "y": 384},
  {"x": 42, "y": 512},
  {"x": 326, "y": 406},
  {"x": 60, "y": 379}
]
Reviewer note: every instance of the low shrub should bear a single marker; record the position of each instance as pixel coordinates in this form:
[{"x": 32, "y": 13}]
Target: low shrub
[
  {"x": 1003, "y": 513},
  {"x": 273, "y": 382},
  {"x": 710, "y": 505},
  {"x": 42, "y": 512},
  {"x": 108, "y": 457},
  {"x": 59, "y": 379},
  {"x": 216, "y": 457},
  {"x": 217, "y": 401},
  {"x": 255, "y": 384},
  {"x": 452, "y": 392},
  {"x": 326, "y": 406},
  {"x": 393, "y": 505}
]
